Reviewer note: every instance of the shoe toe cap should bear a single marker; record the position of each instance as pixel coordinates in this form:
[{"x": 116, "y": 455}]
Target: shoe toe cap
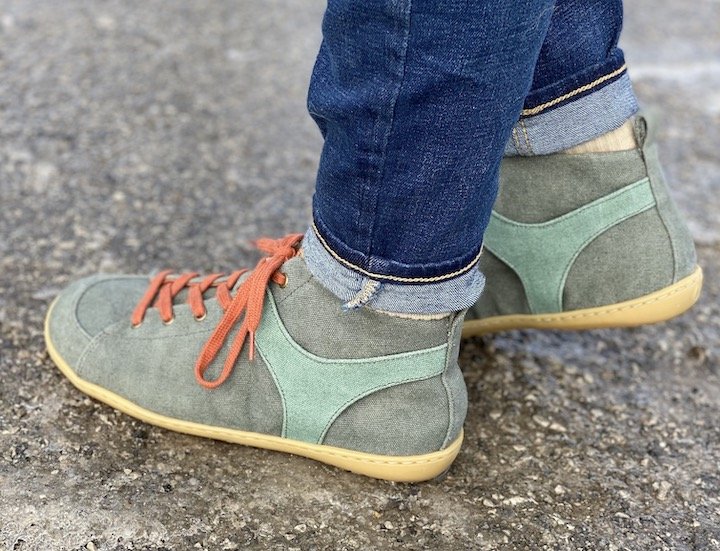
[{"x": 87, "y": 307}]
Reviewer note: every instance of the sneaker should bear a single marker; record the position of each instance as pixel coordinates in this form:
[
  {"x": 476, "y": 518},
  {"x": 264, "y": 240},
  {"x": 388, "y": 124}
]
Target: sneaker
[
  {"x": 583, "y": 242},
  {"x": 268, "y": 358}
]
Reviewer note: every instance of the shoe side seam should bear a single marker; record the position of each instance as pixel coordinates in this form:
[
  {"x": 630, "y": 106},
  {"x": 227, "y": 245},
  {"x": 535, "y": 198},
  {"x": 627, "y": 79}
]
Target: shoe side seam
[
  {"x": 76, "y": 318},
  {"x": 662, "y": 217},
  {"x": 350, "y": 401},
  {"x": 562, "y": 272},
  {"x": 587, "y": 242}
]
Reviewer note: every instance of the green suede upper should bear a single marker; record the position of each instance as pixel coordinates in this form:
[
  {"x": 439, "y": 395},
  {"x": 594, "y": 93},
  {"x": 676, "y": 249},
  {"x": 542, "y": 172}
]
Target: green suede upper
[
  {"x": 526, "y": 248},
  {"x": 579, "y": 231},
  {"x": 355, "y": 379}
]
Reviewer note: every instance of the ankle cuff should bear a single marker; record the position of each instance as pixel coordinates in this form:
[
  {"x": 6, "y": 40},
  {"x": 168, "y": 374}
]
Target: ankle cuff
[
  {"x": 574, "y": 122},
  {"x": 357, "y": 290}
]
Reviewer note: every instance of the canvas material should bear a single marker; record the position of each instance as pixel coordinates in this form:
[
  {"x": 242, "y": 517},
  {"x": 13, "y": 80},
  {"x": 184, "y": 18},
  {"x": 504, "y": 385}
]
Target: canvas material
[
  {"x": 308, "y": 309},
  {"x": 616, "y": 256},
  {"x": 542, "y": 254},
  {"x": 683, "y": 248},
  {"x": 439, "y": 406},
  {"x": 76, "y": 320},
  {"x": 506, "y": 294},
  {"x": 287, "y": 390},
  {"x": 634, "y": 256}
]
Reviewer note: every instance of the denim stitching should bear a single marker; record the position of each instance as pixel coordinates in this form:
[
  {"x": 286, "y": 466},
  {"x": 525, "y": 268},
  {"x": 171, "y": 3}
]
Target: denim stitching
[
  {"x": 386, "y": 137},
  {"x": 352, "y": 266},
  {"x": 527, "y": 138},
  {"x": 516, "y": 142},
  {"x": 580, "y": 90}
]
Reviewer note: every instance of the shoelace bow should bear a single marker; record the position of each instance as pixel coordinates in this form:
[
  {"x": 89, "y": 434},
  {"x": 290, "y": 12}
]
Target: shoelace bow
[{"x": 248, "y": 299}]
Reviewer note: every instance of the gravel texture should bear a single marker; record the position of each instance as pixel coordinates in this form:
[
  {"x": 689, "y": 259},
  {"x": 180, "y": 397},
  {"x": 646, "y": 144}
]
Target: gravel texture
[{"x": 136, "y": 135}]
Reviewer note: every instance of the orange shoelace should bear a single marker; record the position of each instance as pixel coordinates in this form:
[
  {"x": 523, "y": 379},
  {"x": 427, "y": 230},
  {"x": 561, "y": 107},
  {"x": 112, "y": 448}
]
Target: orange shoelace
[{"x": 248, "y": 300}]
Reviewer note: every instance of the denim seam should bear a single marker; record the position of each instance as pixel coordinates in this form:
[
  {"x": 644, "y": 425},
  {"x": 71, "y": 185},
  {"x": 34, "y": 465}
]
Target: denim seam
[
  {"x": 366, "y": 293},
  {"x": 372, "y": 275},
  {"x": 527, "y": 137},
  {"x": 516, "y": 142},
  {"x": 580, "y": 90},
  {"x": 388, "y": 133}
]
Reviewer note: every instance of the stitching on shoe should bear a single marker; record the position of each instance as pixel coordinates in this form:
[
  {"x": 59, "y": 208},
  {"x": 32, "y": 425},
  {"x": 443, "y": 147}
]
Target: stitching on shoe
[
  {"x": 604, "y": 311},
  {"x": 75, "y": 316},
  {"x": 577, "y": 212},
  {"x": 349, "y": 402},
  {"x": 590, "y": 239},
  {"x": 533, "y": 227},
  {"x": 291, "y": 293},
  {"x": 309, "y": 446}
]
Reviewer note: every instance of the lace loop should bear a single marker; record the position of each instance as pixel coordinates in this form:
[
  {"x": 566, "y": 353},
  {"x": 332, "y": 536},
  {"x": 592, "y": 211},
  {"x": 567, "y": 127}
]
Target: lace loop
[{"x": 247, "y": 303}]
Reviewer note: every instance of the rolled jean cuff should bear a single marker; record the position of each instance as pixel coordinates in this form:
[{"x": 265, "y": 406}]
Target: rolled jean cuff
[
  {"x": 572, "y": 121},
  {"x": 356, "y": 289}
]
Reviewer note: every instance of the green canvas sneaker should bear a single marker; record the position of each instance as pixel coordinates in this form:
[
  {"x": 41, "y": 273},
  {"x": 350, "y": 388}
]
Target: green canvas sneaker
[
  {"x": 583, "y": 242},
  {"x": 269, "y": 359}
]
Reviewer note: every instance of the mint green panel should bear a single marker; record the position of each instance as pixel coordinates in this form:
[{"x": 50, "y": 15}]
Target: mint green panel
[
  {"x": 302, "y": 377},
  {"x": 542, "y": 254}
]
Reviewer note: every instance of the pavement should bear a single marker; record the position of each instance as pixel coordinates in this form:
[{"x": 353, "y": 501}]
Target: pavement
[{"x": 140, "y": 134}]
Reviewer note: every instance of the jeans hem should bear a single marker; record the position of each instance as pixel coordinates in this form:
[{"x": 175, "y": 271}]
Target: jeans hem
[
  {"x": 576, "y": 121},
  {"x": 356, "y": 289},
  {"x": 586, "y": 88},
  {"x": 381, "y": 269},
  {"x": 575, "y": 85}
]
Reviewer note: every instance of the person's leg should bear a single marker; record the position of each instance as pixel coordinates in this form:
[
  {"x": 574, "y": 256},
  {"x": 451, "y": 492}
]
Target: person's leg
[
  {"x": 581, "y": 88},
  {"x": 416, "y": 99},
  {"x": 584, "y": 233}
]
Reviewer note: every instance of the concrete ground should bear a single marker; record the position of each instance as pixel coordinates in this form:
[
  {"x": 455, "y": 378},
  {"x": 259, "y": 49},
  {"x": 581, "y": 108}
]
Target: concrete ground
[{"x": 139, "y": 134}]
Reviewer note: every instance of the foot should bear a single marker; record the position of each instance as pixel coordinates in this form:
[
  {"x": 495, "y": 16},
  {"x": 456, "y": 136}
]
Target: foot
[
  {"x": 268, "y": 359},
  {"x": 583, "y": 242}
]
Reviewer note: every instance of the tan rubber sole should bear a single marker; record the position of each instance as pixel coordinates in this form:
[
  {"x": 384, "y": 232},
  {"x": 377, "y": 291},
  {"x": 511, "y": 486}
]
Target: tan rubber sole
[
  {"x": 656, "y": 307},
  {"x": 413, "y": 468}
]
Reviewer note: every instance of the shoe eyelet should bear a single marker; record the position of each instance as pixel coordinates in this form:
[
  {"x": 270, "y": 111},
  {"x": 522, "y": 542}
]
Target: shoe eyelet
[
  {"x": 170, "y": 321},
  {"x": 200, "y": 318},
  {"x": 284, "y": 283}
]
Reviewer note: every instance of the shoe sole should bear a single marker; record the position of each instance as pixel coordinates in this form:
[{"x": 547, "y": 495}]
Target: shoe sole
[
  {"x": 412, "y": 468},
  {"x": 656, "y": 307}
]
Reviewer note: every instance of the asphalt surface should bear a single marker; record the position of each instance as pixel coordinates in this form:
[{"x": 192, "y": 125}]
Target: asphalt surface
[{"x": 136, "y": 135}]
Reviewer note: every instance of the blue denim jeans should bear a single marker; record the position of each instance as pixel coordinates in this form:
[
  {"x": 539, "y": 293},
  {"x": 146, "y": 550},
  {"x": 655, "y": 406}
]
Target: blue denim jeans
[{"x": 418, "y": 101}]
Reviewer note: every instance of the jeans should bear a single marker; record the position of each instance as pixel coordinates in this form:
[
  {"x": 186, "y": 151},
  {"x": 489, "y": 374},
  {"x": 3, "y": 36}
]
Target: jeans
[{"x": 418, "y": 101}]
